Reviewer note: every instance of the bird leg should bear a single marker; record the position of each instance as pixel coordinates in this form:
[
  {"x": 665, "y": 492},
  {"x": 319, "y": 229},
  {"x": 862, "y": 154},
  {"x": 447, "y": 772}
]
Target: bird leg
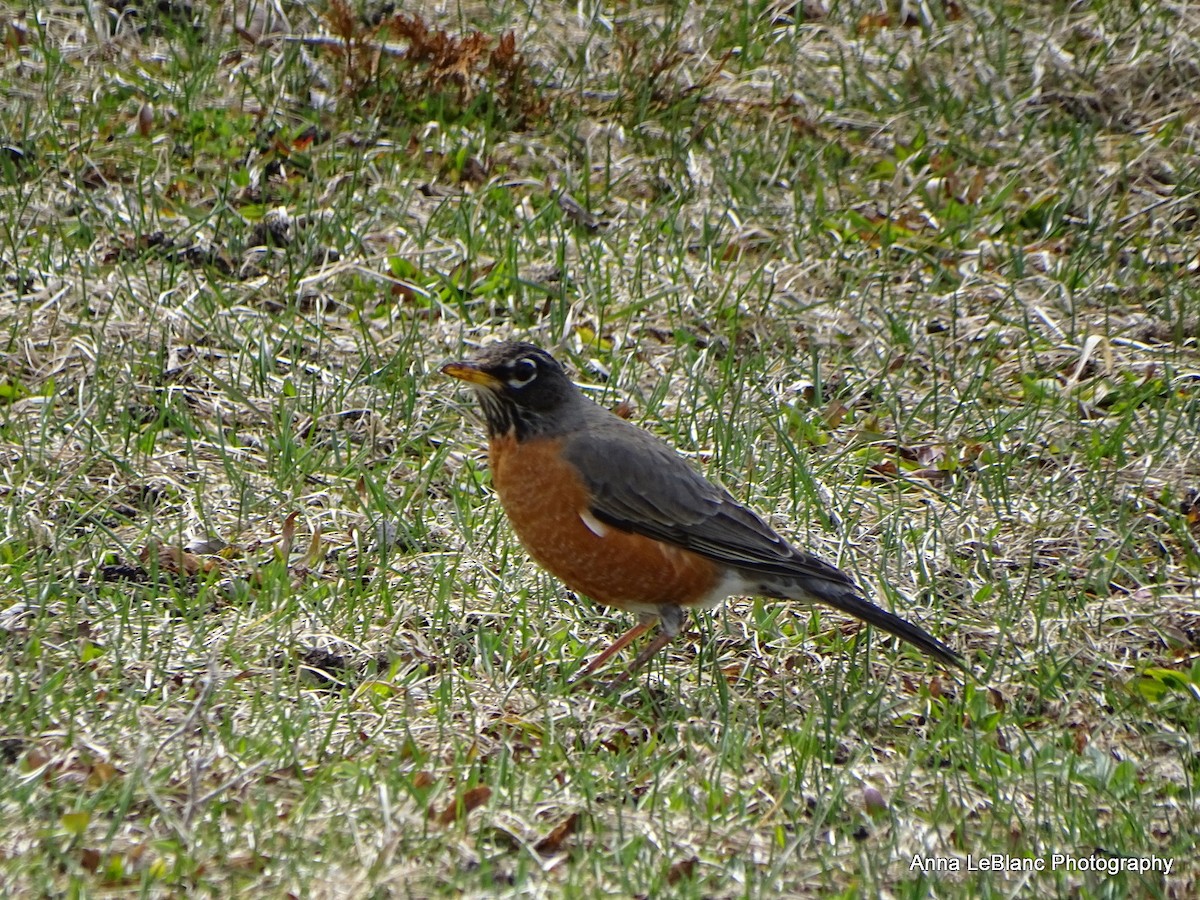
[
  {"x": 671, "y": 621},
  {"x": 660, "y": 640},
  {"x": 617, "y": 646}
]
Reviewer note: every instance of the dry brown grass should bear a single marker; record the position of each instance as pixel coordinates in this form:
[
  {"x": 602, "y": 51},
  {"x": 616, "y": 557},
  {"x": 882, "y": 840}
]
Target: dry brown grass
[{"x": 919, "y": 282}]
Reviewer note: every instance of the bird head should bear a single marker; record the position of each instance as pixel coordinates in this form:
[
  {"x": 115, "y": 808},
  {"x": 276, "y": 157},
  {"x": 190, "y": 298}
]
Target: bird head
[{"x": 518, "y": 385}]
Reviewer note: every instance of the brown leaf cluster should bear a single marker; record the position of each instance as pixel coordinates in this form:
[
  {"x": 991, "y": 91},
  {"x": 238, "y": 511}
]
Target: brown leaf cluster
[
  {"x": 448, "y": 58},
  {"x": 431, "y": 61}
]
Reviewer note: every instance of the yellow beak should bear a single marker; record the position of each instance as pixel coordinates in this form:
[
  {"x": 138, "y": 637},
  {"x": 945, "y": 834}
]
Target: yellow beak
[{"x": 472, "y": 374}]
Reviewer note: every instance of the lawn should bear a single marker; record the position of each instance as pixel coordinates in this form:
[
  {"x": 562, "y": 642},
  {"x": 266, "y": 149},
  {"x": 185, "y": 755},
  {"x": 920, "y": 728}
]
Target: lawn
[{"x": 918, "y": 281}]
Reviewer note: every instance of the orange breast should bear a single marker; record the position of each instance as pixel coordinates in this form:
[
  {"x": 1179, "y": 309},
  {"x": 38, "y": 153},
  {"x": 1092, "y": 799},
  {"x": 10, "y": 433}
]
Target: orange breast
[{"x": 545, "y": 500}]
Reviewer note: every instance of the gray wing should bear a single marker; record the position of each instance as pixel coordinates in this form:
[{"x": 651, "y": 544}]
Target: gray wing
[{"x": 640, "y": 484}]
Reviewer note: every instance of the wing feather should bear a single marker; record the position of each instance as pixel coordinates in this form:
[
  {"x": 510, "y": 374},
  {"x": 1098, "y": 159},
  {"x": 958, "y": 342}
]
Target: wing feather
[{"x": 640, "y": 484}]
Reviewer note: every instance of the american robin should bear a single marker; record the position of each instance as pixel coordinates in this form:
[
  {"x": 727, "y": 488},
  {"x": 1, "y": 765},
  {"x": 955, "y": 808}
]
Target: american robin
[{"x": 618, "y": 515}]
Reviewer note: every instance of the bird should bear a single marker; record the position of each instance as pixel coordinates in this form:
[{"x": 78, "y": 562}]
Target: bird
[{"x": 616, "y": 514}]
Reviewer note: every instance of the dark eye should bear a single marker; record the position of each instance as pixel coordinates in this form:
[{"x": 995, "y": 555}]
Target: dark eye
[{"x": 524, "y": 370}]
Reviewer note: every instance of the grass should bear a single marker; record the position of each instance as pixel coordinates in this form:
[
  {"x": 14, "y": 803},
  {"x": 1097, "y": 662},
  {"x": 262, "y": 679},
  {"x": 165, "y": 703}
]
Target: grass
[{"x": 918, "y": 284}]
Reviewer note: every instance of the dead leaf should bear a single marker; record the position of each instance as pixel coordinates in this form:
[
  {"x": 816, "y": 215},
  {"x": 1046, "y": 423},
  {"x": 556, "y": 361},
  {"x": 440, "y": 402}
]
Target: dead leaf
[
  {"x": 834, "y": 413},
  {"x": 288, "y": 535},
  {"x": 35, "y": 759},
  {"x": 461, "y": 807},
  {"x": 883, "y": 471},
  {"x": 145, "y": 120},
  {"x": 930, "y": 454},
  {"x": 933, "y": 476},
  {"x": 102, "y": 773},
  {"x": 553, "y": 841},
  {"x": 624, "y": 409},
  {"x": 682, "y": 869},
  {"x": 316, "y": 549},
  {"x": 873, "y": 801},
  {"x": 175, "y": 560},
  {"x": 1083, "y": 737},
  {"x": 935, "y": 687}
]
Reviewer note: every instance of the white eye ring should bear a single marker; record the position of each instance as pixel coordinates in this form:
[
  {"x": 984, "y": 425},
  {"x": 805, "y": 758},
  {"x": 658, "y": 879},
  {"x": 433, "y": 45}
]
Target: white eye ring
[{"x": 524, "y": 370}]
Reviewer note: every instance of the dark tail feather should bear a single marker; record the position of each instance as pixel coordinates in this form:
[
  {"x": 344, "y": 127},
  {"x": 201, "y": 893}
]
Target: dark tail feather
[{"x": 846, "y": 598}]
